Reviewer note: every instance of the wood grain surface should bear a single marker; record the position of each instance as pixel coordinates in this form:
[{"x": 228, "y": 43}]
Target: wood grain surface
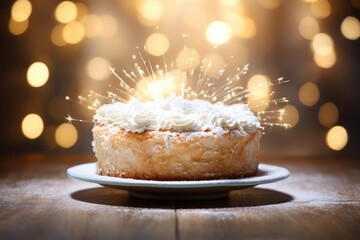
[{"x": 320, "y": 200}]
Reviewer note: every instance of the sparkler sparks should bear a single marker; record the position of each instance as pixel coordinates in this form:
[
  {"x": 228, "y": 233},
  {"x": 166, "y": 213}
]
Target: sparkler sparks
[{"x": 149, "y": 82}]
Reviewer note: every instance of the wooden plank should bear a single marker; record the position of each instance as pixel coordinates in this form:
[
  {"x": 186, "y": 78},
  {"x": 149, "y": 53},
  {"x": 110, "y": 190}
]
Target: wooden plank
[
  {"x": 38, "y": 201},
  {"x": 320, "y": 200},
  {"x": 284, "y": 221}
]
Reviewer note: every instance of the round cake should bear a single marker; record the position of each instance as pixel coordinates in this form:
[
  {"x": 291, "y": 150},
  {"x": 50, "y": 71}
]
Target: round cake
[{"x": 176, "y": 139}]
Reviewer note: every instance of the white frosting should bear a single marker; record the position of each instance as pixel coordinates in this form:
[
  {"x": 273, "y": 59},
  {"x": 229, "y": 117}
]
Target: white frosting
[{"x": 179, "y": 115}]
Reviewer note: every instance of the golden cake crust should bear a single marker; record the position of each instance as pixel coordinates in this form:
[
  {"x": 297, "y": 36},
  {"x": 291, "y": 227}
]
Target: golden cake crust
[{"x": 166, "y": 155}]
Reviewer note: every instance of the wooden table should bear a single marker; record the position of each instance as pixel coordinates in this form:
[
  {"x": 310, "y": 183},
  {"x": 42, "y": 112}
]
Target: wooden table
[{"x": 320, "y": 200}]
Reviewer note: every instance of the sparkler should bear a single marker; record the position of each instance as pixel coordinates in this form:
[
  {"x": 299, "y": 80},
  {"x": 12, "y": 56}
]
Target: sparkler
[{"x": 182, "y": 80}]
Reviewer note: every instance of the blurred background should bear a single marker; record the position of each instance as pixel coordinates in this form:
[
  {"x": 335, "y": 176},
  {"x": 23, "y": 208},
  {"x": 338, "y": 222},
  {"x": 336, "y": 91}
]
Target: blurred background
[{"x": 54, "y": 49}]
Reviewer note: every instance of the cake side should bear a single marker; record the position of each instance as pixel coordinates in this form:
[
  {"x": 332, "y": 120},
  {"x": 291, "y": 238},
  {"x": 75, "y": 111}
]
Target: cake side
[{"x": 168, "y": 155}]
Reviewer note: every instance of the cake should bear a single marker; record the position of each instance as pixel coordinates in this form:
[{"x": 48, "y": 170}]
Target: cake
[{"x": 176, "y": 139}]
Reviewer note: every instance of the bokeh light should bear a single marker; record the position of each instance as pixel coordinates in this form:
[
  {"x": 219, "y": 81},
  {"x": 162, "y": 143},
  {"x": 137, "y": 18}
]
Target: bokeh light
[
  {"x": 93, "y": 26},
  {"x": 73, "y": 32},
  {"x": 350, "y": 28},
  {"x": 328, "y": 114},
  {"x": 322, "y": 40},
  {"x": 57, "y": 35},
  {"x": 321, "y": 8},
  {"x": 188, "y": 59},
  {"x": 323, "y": 49},
  {"x": 150, "y": 11},
  {"x": 309, "y": 94},
  {"x": 66, "y": 12},
  {"x": 32, "y": 126},
  {"x": 229, "y": 3},
  {"x": 337, "y": 138},
  {"x": 21, "y": 10},
  {"x": 37, "y": 74},
  {"x": 82, "y": 11},
  {"x": 241, "y": 26},
  {"x": 259, "y": 92},
  {"x": 157, "y": 44},
  {"x": 98, "y": 68},
  {"x": 308, "y": 27},
  {"x": 109, "y": 26},
  {"x": 291, "y": 115},
  {"x": 66, "y": 135},
  {"x": 17, "y": 28},
  {"x": 218, "y": 33},
  {"x": 270, "y": 4},
  {"x": 313, "y": 43},
  {"x": 325, "y": 57}
]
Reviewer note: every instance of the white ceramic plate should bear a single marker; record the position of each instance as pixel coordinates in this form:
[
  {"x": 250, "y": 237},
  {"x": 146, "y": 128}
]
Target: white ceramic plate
[{"x": 179, "y": 190}]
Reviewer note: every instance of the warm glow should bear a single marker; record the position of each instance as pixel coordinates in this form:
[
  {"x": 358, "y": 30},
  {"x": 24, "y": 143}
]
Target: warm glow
[
  {"x": 143, "y": 88},
  {"x": 18, "y": 28},
  {"x": 57, "y": 35},
  {"x": 82, "y": 11},
  {"x": 229, "y": 3},
  {"x": 259, "y": 86},
  {"x": 350, "y": 28},
  {"x": 212, "y": 64},
  {"x": 243, "y": 27},
  {"x": 93, "y": 26},
  {"x": 98, "y": 68},
  {"x": 308, "y": 28},
  {"x": 109, "y": 26},
  {"x": 194, "y": 16},
  {"x": 160, "y": 88},
  {"x": 167, "y": 85},
  {"x": 150, "y": 11},
  {"x": 325, "y": 57},
  {"x": 32, "y": 126},
  {"x": 66, "y": 12},
  {"x": 322, "y": 40},
  {"x": 218, "y": 33},
  {"x": 321, "y": 8},
  {"x": 270, "y": 4},
  {"x": 309, "y": 94},
  {"x": 337, "y": 138},
  {"x": 188, "y": 59},
  {"x": 259, "y": 89},
  {"x": 73, "y": 32},
  {"x": 291, "y": 116},
  {"x": 37, "y": 74},
  {"x": 21, "y": 10},
  {"x": 157, "y": 44},
  {"x": 323, "y": 48},
  {"x": 328, "y": 114},
  {"x": 66, "y": 135}
]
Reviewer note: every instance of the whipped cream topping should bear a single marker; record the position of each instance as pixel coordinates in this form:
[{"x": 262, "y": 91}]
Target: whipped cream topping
[{"x": 179, "y": 115}]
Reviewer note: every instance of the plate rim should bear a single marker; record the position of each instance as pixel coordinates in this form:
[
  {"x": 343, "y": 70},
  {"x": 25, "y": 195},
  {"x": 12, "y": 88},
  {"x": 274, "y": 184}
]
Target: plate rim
[{"x": 276, "y": 173}]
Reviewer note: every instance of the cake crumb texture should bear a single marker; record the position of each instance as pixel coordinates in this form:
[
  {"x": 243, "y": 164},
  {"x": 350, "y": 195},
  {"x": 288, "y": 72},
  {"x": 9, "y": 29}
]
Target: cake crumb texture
[{"x": 166, "y": 155}]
